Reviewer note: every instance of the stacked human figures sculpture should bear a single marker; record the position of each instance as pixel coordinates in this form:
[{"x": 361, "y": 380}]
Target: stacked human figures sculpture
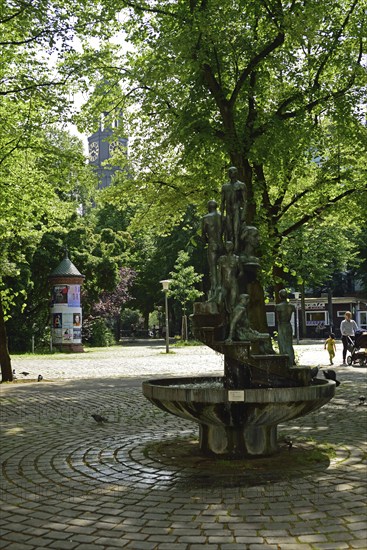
[
  {"x": 212, "y": 235},
  {"x": 250, "y": 243},
  {"x": 233, "y": 266},
  {"x": 228, "y": 263},
  {"x": 229, "y": 271},
  {"x": 233, "y": 208},
  {"x": 284, "y": 311}
]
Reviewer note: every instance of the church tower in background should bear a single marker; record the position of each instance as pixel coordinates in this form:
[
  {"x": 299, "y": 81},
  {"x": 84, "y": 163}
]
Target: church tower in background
[{"x": 101, "y": 147}]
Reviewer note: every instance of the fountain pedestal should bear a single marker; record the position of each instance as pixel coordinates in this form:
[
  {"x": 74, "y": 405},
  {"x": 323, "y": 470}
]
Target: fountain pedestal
[
  {"x": 235, "y": 442},
  {"x": 236, "y": 423},
  {"x": 238, "y": 414}
]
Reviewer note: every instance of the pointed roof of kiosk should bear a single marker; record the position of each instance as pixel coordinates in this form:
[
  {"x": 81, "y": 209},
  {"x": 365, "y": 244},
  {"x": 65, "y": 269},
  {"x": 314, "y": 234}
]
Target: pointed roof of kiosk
[{"x": 66, "y": 268}]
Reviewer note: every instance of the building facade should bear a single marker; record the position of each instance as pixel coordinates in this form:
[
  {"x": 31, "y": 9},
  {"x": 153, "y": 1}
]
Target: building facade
[{"x": 320, "y": 317}]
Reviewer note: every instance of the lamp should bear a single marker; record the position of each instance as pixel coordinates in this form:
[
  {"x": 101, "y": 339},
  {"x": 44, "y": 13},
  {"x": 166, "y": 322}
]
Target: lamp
[
  {"x": 297, "y": 295},
  {"x": 165, "y": 286}
]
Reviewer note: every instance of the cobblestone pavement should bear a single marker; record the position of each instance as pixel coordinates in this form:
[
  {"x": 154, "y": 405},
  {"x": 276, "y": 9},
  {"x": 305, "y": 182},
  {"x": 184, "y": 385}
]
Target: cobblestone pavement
[
  {"x": 138, "y": 481},
  {"x": 147, "y": 359}
]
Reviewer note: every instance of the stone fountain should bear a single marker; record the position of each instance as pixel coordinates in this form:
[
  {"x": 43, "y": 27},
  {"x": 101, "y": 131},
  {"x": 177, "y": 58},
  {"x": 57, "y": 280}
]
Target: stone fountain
[{"x": 238, "y": 413}]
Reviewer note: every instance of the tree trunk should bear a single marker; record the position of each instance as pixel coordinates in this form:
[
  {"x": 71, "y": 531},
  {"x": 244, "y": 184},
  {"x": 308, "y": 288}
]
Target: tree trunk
[
  {"x": 303, "y": 311},
  {"x": 257, "y": 311},
  {"x": 280, "y": 281},
  {"x": 146, "y": 319},
  {"x": 117, "y": 328},
  {"x": 184, "y": 334},
  {"x": 5, "y": 362}
]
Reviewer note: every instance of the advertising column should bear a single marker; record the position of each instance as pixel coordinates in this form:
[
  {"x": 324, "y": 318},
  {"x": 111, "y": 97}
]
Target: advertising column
[{"x": 66, "y": 311}]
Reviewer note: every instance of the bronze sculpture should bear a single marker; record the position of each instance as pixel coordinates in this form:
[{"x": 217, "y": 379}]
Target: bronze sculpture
[
  {"x": 229, "y": 270},
  {"x": 233, "y": 206},
  {"x": 284, "y": 311},
  {"x": 212, "y": 235}
]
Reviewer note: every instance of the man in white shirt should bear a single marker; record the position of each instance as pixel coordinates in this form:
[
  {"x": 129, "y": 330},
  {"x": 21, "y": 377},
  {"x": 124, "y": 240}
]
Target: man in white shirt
[{"x": 348, "y": 328}]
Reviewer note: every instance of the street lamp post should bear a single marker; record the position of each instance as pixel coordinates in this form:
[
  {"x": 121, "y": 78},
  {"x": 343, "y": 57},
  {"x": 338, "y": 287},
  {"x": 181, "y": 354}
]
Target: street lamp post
[
  {"x": 297, "y": 295},
  {"x": 165, "y": 285}
]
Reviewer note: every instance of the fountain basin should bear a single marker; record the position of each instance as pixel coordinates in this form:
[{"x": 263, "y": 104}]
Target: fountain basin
[{"x": 240, "y": 423}]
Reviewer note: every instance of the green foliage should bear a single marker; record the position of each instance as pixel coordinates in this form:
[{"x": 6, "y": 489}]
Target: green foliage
[
  {"x": 275, "y": 89},
  {"x": 129, "y": 317},
  {"x": 314, "y": 252},
  {"x": 96, "y": 333},
  {"x": 183, "y": 281}
]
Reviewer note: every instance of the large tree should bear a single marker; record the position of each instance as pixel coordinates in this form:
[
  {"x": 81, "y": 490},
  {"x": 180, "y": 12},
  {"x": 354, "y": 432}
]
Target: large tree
[
  {"x": 40, "y": 191},
  {"x": 37, "y": 74},
  {"x": 272, "y": 87}
]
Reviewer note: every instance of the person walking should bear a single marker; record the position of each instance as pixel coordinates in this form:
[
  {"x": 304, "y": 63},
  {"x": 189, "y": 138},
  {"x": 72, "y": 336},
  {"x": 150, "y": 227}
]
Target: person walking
[
  {"x": 348, "y": 329},
  {"x": 331, "y": 347}
]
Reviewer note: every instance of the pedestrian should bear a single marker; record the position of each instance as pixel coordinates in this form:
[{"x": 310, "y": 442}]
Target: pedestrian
[
  {"x": 348, "y": 329},
  {"x": 331, "y": 347}
]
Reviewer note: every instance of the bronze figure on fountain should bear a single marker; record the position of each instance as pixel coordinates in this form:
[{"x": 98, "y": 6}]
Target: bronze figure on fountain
[{"x": 224, "y": 321}]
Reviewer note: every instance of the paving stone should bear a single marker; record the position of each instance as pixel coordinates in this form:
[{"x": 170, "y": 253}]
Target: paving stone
[
  {"x": 332, "y": 545},
  {"x": 249, "y": 539},
  {"x": 358, "y": 544},
  {"x": 193, "y": 539},
  {"x": 16, "y": 537},
  {"x": 140, "y": 545},
  {"x": 158, "y": 538},
  {"x": 63, "y": 545},
  {"x": 178, "y": 546},
  {"x": 220, "y": 539},
  {"x": 70, "y": 483},
  {"x": 312, "y": 538}
]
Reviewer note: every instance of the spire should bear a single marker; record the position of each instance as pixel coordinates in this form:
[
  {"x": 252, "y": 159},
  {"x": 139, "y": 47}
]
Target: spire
[{"x": 66, "y": 268}]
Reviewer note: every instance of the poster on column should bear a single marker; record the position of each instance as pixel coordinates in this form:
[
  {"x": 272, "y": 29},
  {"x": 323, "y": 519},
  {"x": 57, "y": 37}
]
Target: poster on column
[
  {"x": 57, "y": 320},
  {"x": 74, "y": 296},
  {"x": 60, "y": 294},
  {"x": 67, "y": 334}
]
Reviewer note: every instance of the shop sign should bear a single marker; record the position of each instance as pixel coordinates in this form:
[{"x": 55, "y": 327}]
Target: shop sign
[{"x": 315, "y": 305}]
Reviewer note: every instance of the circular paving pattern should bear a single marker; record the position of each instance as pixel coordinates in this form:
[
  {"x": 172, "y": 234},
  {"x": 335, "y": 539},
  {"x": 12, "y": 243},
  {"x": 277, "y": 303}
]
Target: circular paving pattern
[{"x": 64, "y": 475}]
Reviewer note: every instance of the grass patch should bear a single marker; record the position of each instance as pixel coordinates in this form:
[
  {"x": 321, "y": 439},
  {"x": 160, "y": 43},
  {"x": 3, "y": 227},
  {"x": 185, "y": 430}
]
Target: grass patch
[{"x": 184, "y": 343}]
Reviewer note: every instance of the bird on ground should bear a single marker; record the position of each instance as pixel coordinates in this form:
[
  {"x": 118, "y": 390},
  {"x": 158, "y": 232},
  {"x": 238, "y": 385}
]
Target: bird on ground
[
  {"x": 289, "y": 442},
  {"x": 330, "y": 374},
  {"x": 362, "y": 400},
  {"x": 39, "y": 378},
  {"x": 98, "y": 418},
  {"x": 24, "y": 373},
  {"x": 314, "y": 372},
  {"x": 13, "y": 371}
]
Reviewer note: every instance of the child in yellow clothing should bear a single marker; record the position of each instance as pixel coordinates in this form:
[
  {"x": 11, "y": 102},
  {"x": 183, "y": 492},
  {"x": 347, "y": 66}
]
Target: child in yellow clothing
[{"x": 331, "y": 347}]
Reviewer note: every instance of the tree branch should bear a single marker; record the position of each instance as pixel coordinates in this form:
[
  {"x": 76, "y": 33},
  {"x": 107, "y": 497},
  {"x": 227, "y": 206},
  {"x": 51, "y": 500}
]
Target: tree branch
[
  {"x": 296, "y": 198},
  {"x": 27, "y": 41},
  {"x": 144, "y": 8},
  {"x": 13, "y": 16},
  {"x": 317, "y": 212},
  {"x": 270, "y": 47},
  {"x": 334, "y": 45}
]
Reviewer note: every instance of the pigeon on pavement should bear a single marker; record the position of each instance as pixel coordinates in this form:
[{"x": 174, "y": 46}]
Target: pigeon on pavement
[
  {"x": 289, "y": 442},
  {"x": 24, "y": 373},
  {"x": 39, "y": 378},
  {"x": 331, "y": 375},
  {"x": 98, "y": 418},
  {"x": 362, "y": 400}
]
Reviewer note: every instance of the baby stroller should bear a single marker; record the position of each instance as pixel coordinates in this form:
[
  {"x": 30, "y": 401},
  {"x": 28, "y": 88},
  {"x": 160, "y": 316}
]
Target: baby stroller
[{"x": 357, "y": 349}]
